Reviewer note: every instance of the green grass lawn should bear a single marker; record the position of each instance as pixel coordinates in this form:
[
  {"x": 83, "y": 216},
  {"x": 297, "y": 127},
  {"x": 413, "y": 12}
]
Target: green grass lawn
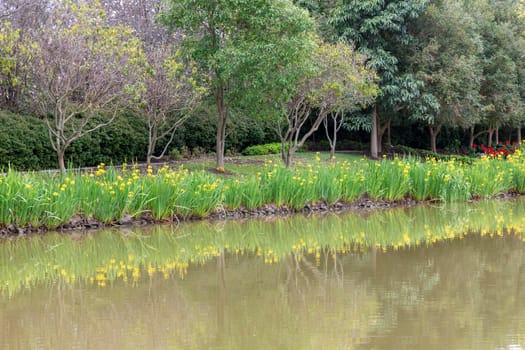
[{"x": 250, "y": 165}]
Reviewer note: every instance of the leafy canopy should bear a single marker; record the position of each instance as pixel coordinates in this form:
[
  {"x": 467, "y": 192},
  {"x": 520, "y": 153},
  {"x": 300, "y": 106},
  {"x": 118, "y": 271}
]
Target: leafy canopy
[{"x": 252, "y": 48}]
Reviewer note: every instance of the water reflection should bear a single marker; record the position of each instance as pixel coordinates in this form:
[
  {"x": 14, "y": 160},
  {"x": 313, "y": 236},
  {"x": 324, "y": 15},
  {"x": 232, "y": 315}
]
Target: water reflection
[{"x": 303, "y": 283}]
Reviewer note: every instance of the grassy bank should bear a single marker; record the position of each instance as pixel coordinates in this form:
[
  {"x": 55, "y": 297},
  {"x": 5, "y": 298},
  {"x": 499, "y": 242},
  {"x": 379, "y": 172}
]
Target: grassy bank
[{"x": 107, "y": 195}]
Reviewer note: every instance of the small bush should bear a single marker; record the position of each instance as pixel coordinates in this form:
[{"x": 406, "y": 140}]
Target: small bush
[
  {"x": 262, "y": 150},
  {"x": 268, "y": 148},
  {"x": 421, "y": 153},
  {"x": 175, "y": 154},
  {"x": 198, "y": 152}
]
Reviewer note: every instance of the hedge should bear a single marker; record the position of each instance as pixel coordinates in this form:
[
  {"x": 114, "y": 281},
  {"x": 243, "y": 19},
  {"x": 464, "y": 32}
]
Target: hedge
[{"x": 25, "y": 145}]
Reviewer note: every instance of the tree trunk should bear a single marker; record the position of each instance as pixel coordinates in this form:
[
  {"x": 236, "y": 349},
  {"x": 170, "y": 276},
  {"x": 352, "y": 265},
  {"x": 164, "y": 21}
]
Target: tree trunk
[
  {"x": 518, "y": 135},
  {"x": 221, "y": 128},
  {"x": 374, "y": 154},
  {"x": 337, "y": 119},
  {"x": 283, "y": 151},
  {"x": 471, "y": 137},
  {"x": 433, "y": 138},
  {"x": 389, "y": 134},
  {"x": 474, "y": 136},
  {"x": 61, "y": 163},
  {"x": 333, "y": 140},
  {"x": 434, "y": 132},
  {"x": 489, "y": 138},
  {"x": 289, "y": 153},
  {"x": 151, "y": 148},
  {"x": 381, "y": 133},
  {"x": 332, "y": 153},
  {"x": 497, "y": 135}
]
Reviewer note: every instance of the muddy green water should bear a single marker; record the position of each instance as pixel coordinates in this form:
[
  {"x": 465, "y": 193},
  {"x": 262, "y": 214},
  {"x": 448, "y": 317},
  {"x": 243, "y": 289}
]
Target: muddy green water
[{"x": 448, "y": 277}]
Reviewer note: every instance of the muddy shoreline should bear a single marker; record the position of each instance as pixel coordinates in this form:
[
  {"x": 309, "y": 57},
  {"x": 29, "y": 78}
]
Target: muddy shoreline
[{"x": 363, "y": 205}]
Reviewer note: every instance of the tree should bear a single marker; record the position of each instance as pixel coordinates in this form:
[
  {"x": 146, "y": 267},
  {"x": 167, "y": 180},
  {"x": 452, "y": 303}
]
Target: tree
[
  {"x": 82, "y": 73},
  {"x": 15, "y": 51},
  {"x": 380, "y": 30},
  {"x": 169, "y": 94},
  {"x": 25, "y": 14},
  {"x": 243, "y": 47},
  {"x": 320, "y": 10},
  {"x": 139, "y": 15},
  {"x": 448, "y": 64},
  {"x": 503, "y": 67},
  {"x": 502, "y": 102},
  {"x": 337, "y": 83}
]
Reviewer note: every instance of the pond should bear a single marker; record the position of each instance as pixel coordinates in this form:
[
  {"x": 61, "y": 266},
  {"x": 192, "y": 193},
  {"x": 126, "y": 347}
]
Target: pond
[{"x": 437, "y": 277}]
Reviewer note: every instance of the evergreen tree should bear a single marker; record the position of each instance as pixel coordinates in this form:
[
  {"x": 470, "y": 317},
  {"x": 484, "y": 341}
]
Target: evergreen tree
[{"x": 381, "y": 30}]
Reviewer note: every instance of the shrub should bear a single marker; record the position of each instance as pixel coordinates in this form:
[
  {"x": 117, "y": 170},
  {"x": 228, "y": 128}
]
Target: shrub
[
  {"x": 175, "y": 154},
  {"x": 262, "y": 150},
  {"x": 268, "y": 148},
  {"x": 421, "y": 153},
  {"x": 25, "y": 143},
  {"x": 124, "y": 140}
]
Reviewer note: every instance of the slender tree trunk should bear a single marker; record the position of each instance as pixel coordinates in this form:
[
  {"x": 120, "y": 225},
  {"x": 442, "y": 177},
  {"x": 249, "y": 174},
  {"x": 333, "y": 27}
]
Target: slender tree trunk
[
  {"x": 434, "y": 132},
  {"x": 221, "y": 128},
  {"x": 489, "y": 137},
  {"x": 518, "y": 135},
  {"x": 379, "y": 141},
  {"x": 374, "y": 154},
  {"x": 389, "y": 134},
  {"x": 474, "y": 136},
  {"x": 433, "y": 138},
  {"x": 337, "y": 119},
  {"x": 283, "y": 152},
  {"x": 497, "y": 135},
  {"x": 289, "y": 153},
  {"x": 471, "y": 139},
  {"x": 151, "y": 148},
  {"x": 381, "y": 133},
  {"x": 332, "y": 149},
  {"x": 61, "y": 163},
  {"x": 333, "y": 139}
]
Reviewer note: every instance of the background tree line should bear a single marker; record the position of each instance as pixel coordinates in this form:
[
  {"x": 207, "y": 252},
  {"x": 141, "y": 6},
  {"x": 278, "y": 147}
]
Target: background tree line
[{"x": 112, "y": 81}]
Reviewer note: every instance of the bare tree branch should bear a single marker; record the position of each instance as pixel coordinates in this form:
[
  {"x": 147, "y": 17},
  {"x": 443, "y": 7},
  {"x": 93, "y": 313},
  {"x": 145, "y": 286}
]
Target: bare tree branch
[{"x": 82, "y": 74}]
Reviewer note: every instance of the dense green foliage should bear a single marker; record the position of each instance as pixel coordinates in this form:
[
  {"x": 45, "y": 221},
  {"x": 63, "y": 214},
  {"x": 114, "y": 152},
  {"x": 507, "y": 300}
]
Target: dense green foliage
[
  {"x": 451, "y": 73},
  {"x": 249, "y": 51},
  {"x": 265, "y": 149},
  {"x": 441, "y": 63},
  {"x": 25, "y": 143},
  {"x": 380, "y": 30},
  {"x": 261, "y": 150}
]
